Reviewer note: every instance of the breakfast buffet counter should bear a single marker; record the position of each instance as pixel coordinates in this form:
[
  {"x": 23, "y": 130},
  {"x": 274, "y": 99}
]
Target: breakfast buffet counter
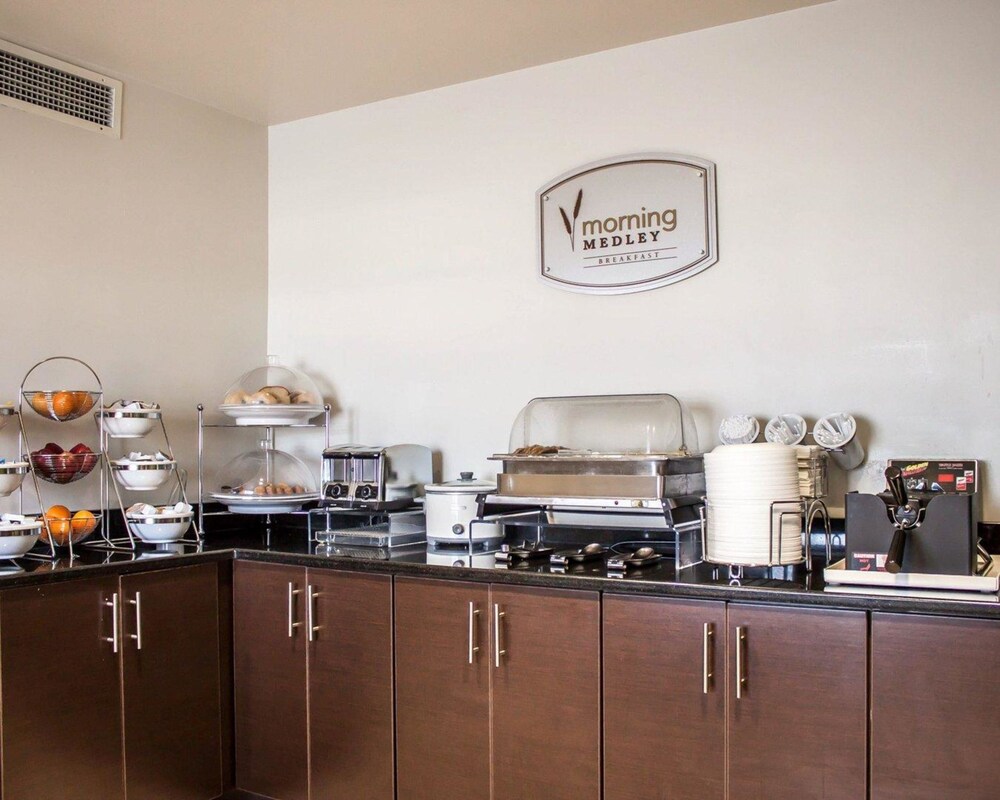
[{"x": 784, "y": 586}]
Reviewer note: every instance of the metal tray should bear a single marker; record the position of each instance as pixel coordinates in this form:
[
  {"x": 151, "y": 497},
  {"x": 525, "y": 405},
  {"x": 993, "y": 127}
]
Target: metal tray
[
  {"x": 988, "y": 582},
  {"x": 379, "y": 536}
]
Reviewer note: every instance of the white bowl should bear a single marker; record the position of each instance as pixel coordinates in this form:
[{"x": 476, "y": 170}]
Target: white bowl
[
  {"x": 123, "y": 424},
  {"x": 11, "y": 476},
  {"x": 156, "y": 528},
  {"x": 143, "y": 476},
  {"x": 18, "y": 539}
]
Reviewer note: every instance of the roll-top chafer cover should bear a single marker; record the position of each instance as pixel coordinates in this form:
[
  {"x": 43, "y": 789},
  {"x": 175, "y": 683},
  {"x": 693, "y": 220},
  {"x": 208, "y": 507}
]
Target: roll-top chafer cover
[{"x": 615, "y": 424}]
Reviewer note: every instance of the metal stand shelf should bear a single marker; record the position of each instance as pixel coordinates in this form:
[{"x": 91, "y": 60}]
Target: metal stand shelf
[
  {"x": 24, "y": 447},
  {"x": 128, "y": 543},
  {"x": 269, "y": 437},
  {"x": 805, "y": 510},
  {"x": 5, "y": 413},
  {"x": 675, "y": 527}
]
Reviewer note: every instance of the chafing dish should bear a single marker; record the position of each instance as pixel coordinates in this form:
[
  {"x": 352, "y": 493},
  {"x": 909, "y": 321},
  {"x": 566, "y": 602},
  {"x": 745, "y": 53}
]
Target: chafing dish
[{"x": 613, "y": 452}]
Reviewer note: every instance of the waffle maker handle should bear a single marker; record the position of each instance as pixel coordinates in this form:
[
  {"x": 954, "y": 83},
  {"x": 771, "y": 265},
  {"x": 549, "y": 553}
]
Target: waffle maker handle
[{"x": 897, "y": 488}]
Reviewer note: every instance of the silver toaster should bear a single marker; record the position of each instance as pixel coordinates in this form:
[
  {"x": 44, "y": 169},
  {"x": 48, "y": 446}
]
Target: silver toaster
[{"x": 375, "y": 478}]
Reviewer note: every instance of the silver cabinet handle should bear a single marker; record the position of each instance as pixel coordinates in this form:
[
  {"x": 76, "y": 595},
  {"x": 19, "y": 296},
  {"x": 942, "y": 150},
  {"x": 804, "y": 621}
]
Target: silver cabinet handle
[
  {"x": 473, "y": 647},
  {"x": 741, "y": 678},
  {"x": 113, "y": 638},
  {"x": 292, "y": 624},
  {"x": 311, "y": 626},
  {"x": 498, "y": 651},
  {"x": 138, "y": 620},
  {"x": 708, "y": 656}
]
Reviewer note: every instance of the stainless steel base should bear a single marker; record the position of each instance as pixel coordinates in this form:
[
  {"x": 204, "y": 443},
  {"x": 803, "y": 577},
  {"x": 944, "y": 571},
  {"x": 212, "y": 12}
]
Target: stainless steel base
[{"x": 371, "y": 536}]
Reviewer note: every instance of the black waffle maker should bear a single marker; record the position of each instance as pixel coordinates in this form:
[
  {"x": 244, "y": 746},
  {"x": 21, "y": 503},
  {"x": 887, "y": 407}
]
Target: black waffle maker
[{"x": 927, "y": 522}]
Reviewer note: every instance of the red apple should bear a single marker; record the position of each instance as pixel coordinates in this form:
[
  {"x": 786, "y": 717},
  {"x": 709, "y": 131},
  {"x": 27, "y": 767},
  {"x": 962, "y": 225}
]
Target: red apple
[{"x": 89, "y": 460}]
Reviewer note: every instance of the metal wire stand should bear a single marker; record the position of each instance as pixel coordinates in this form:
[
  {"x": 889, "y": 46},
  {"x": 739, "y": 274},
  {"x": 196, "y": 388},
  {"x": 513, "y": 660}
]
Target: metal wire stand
[
  {"x": 129, "y": 542},
  {"x": 269, "y": 437},
  {"x": 805, "y": 510},
  {"x": 24, "y": 446},
  {"x": 10, "y": 411}
]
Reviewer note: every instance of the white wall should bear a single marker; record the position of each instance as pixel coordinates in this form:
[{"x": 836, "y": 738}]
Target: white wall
[
  {"x": 858, "y": 175},
  {"x": 146, "y": 257}
]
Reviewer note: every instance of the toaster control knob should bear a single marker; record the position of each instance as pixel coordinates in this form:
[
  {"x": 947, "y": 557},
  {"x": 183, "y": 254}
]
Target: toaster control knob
[{"x": 365, "y": 492}]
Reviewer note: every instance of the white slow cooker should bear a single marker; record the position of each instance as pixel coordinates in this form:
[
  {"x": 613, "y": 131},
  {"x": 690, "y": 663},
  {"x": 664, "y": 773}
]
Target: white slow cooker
[{"x": 450, "y": 508}]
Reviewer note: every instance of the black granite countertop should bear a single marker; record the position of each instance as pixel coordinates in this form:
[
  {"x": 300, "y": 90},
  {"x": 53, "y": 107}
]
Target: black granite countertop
[{"x": 788, "y": 586}]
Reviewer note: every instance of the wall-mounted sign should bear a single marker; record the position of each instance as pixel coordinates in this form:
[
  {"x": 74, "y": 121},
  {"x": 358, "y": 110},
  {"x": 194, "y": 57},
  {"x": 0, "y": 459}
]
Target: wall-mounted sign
[{"x": 628, "y": 224}]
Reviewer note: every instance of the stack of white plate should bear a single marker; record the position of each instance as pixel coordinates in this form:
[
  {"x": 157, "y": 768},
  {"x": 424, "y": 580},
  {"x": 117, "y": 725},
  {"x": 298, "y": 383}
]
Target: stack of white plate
[{"x": 753, "y": 505}]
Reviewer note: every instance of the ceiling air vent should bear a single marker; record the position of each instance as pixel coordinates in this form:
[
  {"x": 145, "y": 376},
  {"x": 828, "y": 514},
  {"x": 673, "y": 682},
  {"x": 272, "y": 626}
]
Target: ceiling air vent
[{"x": 34, "y": 82}]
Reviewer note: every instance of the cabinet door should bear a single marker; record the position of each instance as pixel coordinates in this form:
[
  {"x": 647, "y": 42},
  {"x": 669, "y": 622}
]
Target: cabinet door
[
  {"x": 62, "y": 715},
  {"x": 797, "y": 724},
  {"x": 664, "y": 699},
  {"x": 934, "y": 719},
  {"x": 269, "y": 656},
  {"x": 546, "y": 694},
  {"x": 442, "y": 690},
  {"x": 350, "y": 686},
  {"x": 171, "y": 680}
]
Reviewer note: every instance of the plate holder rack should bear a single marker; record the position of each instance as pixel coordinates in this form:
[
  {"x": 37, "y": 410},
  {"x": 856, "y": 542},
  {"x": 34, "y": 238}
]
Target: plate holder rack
[{"x": 806, "y": 510}]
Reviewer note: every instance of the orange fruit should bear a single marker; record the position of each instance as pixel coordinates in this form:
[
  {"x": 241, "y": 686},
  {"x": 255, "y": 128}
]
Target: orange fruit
[
  {"x": 83, "y": 402},
  {"x": 83, "y": 523},
  {"x": 40, "y": 403},
  {"x": 58, "y": 512},
  {"x": 63, "y": 404},
  {"x": 59, "y": 523}
]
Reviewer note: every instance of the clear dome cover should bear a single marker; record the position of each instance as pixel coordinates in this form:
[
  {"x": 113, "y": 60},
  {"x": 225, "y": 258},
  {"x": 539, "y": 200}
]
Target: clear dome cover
[
  {"x": 273, "y": 395},
  {"x": 274, "y": 384},
  {"x": 266, "y": 475},
  {"x": 620, "y": 424}
]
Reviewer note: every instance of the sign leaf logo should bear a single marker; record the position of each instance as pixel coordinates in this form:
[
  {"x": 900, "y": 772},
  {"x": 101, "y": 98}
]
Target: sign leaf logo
[{"x": 571, "y": 228}]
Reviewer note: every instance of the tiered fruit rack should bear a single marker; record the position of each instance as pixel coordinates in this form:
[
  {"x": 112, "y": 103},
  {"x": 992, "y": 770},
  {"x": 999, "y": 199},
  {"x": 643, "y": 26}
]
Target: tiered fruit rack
[
  {"x": 128, "y": 542},
  {"x": 24, "y": 446}
]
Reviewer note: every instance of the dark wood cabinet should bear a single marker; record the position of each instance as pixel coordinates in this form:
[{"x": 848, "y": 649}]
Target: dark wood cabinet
[
  {"x": 350, "y": 685},
  {"x": 269, "y": 659},
  {"x": 546, "y": 693},
  {"x": 442, "y": 690},
  {"x": 497, "y": 692},
  {"x": 933, "y": 715},
  {"x": 313, "y": 681},
  {"x": 797, "y": 703},
  {"x": 664, "y": 699},
  {"x": 61, "y": 708},
  {"x": 171, "y": 684},
  {"x": 356, "y": 685}
]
